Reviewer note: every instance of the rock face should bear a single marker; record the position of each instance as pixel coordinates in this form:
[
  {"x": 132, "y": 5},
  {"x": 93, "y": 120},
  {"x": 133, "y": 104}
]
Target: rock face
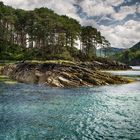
[
  {"x": 104, "y": 64},
  {"x": 60, "y": 75}
]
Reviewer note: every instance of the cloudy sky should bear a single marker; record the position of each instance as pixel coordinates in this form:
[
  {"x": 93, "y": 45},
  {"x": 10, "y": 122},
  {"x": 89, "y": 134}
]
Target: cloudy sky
[{"x": 118, "y": 20}]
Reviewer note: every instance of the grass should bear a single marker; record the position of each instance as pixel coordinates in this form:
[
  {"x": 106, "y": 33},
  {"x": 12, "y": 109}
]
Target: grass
[
  {"x": 53, "y": 61},
  {"x": 6, "y": 80},
  {"x": 1, "y": 66},
  {"x": 2, "y": 63}
]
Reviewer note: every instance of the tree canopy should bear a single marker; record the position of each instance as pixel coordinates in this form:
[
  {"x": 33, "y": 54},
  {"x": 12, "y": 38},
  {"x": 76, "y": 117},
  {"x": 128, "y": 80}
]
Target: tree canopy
[{"x": 43, "y": 34}]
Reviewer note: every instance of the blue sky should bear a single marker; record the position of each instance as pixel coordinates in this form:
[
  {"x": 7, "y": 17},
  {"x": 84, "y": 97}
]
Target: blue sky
[{"x": 118, "y": 20}]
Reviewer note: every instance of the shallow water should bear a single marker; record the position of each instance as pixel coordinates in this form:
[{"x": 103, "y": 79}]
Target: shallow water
[
  {"x": 31, "y": 112},
  {"x": 135, "y": 72}
]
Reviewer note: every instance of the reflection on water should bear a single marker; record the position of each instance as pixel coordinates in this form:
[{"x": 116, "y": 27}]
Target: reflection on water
[
  {"x": 31, "y": 112},
  {"x": 136, "y": 67}
]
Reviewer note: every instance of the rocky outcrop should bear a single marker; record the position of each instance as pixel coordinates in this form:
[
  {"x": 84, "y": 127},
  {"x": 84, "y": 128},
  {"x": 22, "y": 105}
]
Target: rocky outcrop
[
  {"x": 60, "y": 75},
  {"x": 104, "y": 64}
]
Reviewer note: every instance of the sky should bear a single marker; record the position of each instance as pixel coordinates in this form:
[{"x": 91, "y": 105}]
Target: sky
[{"x": 118, "y": 20}]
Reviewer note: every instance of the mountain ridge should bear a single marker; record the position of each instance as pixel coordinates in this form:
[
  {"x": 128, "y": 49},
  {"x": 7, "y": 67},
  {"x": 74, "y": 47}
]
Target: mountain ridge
[{"x": 131, "y": 56}]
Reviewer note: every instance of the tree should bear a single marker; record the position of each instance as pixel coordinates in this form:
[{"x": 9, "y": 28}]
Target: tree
[
  {"x": 42, "y": 34},
  {"x": 88, "y": 42}
]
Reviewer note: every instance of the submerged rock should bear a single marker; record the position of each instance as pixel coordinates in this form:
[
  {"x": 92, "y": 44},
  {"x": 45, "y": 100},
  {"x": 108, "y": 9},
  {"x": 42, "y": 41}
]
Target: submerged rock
[{"x": 60, "y": 75}]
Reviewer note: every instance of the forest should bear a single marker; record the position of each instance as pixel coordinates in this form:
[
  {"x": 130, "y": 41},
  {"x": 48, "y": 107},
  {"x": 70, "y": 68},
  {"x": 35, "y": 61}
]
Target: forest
[
  {"x": 130, "y": 56},
  {"x": 41, "y": 34}
]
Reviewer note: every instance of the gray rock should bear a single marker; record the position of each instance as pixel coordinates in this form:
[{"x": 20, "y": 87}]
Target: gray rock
[{"x": 60, "y": 75}]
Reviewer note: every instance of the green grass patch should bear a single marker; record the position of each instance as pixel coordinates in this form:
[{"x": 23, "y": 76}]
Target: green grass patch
[
  {"x": 5, "y": 79},
  {"x": 52, "y": 61},
  {"x": 5, "y": 62}
]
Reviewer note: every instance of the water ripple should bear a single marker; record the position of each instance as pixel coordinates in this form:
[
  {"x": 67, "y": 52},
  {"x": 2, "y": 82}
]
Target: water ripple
[{"x": 30, "y": 112}]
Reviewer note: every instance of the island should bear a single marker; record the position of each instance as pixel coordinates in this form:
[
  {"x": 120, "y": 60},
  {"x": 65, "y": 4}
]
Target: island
[
  {"x": 63, "y": 74},
  {"x": 46, "y": 37}
]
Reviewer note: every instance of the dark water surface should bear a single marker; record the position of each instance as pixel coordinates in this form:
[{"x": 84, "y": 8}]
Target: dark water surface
[{"x": 31, "y": 112}]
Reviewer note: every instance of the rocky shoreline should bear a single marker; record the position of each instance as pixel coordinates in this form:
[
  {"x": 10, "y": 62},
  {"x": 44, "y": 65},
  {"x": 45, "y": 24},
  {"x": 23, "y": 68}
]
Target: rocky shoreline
[
  {"x": 61, "y": 75},
  {"x": 104, "y": 64}
]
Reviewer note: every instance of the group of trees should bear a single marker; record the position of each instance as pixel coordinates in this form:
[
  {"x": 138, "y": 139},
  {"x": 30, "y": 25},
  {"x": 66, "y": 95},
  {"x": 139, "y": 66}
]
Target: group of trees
[
  {"x": 42, "y": 34},
  {"x": 129, "y": 56}
]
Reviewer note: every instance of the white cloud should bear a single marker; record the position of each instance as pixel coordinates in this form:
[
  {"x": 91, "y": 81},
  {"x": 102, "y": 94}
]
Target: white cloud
[
  {"x": 114, "y": 2},
  {"x": 120, "y": 36},
  {"x": 59, "y": 6},
  {"x": 96, "y": 8},
  {"x": 99, "y": 7},
  {"x": 123, "y": 36},
  {"x": 124, "y": 12},
  {"x": 24, "y": 4}
]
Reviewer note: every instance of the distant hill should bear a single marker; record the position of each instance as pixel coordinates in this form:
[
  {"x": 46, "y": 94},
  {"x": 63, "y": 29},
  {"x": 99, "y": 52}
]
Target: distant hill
[
  {"x": 109, "y": 51},
  {"x": 130, "y": 56},
  {"x": 136, "y": 47}
]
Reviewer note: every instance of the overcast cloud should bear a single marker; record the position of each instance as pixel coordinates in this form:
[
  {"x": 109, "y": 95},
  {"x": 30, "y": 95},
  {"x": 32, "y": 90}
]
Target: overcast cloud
[{"x": 118, "y": 20}]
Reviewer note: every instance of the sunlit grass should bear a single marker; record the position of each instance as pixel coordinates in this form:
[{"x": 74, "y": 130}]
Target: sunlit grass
[
  {"x": 39, "y": 61},
  {"x": 1, "y": 66},
  {"x": 53, "y": 61},
  {"x": 5, "y": 79}
]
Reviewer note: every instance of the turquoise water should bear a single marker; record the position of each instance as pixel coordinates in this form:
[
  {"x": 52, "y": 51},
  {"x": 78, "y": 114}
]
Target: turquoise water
[
  {"x": 31, "y": 112},
  {"x": 135, "y": 72}
]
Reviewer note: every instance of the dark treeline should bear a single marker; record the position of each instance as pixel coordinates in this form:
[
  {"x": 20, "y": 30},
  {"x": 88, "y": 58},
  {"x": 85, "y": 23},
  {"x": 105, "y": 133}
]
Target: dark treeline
[
  {"x": 129, "y": 56},
  {"x": 42, "y": 34}
]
